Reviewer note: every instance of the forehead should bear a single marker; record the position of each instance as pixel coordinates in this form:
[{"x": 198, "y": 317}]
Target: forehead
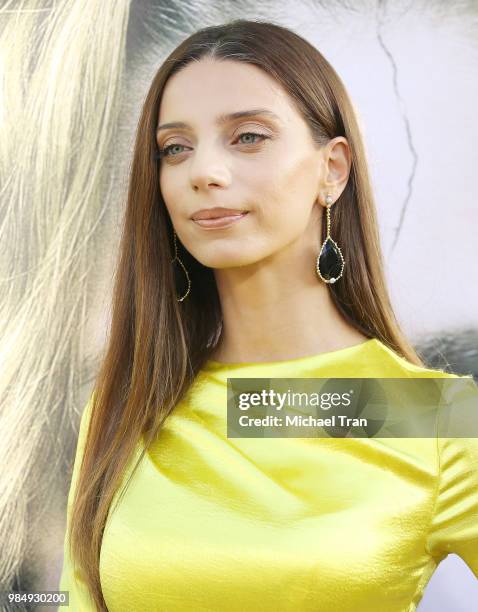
[{"x": 207, "y": 88}]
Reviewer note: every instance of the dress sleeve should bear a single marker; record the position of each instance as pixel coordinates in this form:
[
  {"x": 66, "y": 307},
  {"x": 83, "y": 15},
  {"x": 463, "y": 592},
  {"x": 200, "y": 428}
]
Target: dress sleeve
[
  {"x": 454, "y": 527},
  {"x": 70, "y": 580}
]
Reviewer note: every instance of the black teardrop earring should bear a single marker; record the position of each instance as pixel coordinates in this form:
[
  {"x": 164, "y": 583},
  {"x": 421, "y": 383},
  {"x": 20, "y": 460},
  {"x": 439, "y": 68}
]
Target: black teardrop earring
[
  {"x": 330, "y": 262},
  {"x": 181, "y": 275}
]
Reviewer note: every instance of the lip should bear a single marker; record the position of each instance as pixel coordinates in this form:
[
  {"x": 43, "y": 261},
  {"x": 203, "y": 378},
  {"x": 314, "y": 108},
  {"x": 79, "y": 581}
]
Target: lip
[
  {"x": 216, "y": 212},
  {"x": 220, "y": 222}
]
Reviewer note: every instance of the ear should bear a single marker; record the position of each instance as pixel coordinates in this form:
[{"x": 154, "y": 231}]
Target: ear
[{"x": 337, "y": 164}]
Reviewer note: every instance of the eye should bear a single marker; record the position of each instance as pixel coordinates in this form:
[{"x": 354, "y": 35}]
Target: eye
[
  {"x": 169, "y": 150},
  {"x": 254, "y": 136}
]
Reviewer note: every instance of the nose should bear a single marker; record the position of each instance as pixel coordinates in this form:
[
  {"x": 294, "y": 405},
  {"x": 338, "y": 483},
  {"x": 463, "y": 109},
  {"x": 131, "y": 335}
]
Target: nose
[{"x": 209, "y": 169}]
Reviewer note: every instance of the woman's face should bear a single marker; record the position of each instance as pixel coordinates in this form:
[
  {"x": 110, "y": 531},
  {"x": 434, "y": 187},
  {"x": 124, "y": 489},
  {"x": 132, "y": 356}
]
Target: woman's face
[{"x": 265, "y": 163}]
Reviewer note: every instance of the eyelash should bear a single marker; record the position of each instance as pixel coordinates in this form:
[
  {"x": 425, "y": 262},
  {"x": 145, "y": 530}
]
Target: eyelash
[{"x": 163, "y": 152}]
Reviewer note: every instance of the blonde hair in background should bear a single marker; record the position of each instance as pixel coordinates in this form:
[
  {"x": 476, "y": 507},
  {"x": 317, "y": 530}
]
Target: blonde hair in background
[{"x": 61, "y": 66}]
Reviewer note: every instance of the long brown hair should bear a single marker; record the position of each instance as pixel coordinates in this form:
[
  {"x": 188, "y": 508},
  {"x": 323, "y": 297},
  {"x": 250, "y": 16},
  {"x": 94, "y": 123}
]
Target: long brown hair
[{"x": 157, "y": 345}]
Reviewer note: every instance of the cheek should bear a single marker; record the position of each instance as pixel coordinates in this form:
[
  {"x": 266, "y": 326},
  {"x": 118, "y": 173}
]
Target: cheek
[{"x": 289, "y": 191}]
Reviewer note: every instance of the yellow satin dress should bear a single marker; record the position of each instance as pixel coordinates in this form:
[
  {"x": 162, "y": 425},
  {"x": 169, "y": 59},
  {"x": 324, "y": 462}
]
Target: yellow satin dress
[{"x": 284, "y": 524}]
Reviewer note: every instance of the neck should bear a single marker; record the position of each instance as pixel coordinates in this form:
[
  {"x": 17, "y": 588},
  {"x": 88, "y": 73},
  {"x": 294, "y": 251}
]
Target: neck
[{"x": 279, "y": 309}]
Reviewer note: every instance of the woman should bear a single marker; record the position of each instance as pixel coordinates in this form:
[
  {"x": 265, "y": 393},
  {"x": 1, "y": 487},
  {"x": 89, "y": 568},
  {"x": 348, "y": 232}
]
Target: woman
[{"x": 250, "y": 249}]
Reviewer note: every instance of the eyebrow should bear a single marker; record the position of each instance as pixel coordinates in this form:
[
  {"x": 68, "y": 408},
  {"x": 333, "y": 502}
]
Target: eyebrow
[{"x": 222, "y": 119}]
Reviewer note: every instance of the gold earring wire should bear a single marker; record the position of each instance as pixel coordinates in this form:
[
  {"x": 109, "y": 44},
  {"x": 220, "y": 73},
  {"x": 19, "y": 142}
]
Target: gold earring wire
[
  {"x": 330, "y": 262},
  {"x": 176, "y": 258}
]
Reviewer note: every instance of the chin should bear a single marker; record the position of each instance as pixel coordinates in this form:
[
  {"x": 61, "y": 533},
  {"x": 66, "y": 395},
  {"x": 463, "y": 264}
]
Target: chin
[{"x": 222, "y": 260}]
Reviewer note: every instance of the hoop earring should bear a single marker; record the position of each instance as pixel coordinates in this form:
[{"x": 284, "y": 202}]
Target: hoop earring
[
  {"x": 177, "y": 274},
  {"x": 330, "y": 262}
]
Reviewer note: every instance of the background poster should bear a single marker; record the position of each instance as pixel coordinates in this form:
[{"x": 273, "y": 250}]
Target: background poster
[{"x": 73, "y": 74}]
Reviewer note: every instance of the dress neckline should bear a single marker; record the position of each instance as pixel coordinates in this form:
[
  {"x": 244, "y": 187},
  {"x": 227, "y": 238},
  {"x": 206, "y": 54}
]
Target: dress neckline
[{"x": 212, "y": 365}]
